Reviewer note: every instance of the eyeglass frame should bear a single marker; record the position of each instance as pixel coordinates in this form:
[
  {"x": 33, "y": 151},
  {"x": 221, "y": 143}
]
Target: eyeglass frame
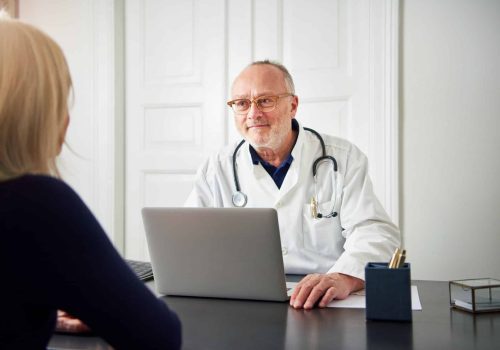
[{"x": 252, "y": 101}]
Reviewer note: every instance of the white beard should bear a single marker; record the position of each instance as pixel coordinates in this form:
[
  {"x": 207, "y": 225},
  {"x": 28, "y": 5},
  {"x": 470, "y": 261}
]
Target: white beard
[{"x": 274, "y": 140}]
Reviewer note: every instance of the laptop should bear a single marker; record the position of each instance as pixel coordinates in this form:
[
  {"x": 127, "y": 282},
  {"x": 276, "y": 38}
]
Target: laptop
[{"x": 216, "y": 252}]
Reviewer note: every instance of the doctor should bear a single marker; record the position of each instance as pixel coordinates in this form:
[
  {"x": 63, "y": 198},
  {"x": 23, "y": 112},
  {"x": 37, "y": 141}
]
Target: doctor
[{"x": 331, "y": 224}]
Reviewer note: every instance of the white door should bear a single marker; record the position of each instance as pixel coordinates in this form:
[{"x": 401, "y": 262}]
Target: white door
[
  {"x": 174, "y": 102},
  {"x": 181, "y": 58}
]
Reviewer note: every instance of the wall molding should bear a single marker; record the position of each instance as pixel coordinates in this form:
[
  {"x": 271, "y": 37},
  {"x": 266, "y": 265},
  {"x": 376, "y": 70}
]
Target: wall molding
[
  {"x": 392, "y": 107},
  {"x": 105, "y": 120},
  {"x": 384, "y": 94}
]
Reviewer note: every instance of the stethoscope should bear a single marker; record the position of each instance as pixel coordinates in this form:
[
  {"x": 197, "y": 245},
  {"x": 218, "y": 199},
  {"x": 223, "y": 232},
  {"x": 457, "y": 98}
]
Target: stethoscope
[{"x": 240, "y": 199}]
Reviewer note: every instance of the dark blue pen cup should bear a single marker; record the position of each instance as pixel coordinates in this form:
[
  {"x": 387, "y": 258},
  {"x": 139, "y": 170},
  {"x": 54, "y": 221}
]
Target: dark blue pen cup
[{"x": 388, "y": 292}]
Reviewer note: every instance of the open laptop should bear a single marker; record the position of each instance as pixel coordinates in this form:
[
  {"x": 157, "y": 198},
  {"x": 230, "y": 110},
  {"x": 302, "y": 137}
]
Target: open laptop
[{"x": 216, "y": 252}]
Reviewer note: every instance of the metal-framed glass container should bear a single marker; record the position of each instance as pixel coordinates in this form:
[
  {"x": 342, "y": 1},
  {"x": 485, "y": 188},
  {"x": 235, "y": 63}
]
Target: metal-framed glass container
[{"x": 475, "y": 295}]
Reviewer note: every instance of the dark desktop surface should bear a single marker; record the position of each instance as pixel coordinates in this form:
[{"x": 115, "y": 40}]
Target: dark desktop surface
[{"x": 242, "y": 324}]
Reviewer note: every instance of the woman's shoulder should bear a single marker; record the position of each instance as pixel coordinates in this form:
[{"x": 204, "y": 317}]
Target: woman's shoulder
[
  {"x": 39, "y": 187},
  {"x": 37, "y": 205},
  {"x": 34, "y": 180},
  {"x": 40, "y": 182}
]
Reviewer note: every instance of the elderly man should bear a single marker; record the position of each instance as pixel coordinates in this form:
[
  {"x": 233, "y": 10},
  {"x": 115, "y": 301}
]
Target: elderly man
[{"x": 331, "y": 223}]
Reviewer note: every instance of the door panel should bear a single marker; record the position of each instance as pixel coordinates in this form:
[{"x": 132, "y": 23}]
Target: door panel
[
  {"x": 175, "y": 110},
  {"x": 182, "y": 57}
]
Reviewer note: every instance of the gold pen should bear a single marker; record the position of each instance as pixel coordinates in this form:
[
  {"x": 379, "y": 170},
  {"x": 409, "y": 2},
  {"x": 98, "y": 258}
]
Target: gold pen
[
  {"x": 402, "y": 258},
  {"x": 314, "y": 208},
  {"x": 392, "y": 263}
]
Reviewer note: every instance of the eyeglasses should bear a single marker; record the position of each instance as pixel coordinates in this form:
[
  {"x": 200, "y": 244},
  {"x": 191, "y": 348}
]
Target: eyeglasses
[{"x": 263, "y": 103}]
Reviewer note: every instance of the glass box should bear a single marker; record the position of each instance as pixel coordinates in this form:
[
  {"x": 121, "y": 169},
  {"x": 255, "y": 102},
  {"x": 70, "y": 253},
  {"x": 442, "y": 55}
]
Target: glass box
[{"x": 475, "y": 295}]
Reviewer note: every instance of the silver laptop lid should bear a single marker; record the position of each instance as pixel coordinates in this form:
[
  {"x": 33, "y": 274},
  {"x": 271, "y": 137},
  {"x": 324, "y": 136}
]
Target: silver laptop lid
[{"x": 216, "y": 252}]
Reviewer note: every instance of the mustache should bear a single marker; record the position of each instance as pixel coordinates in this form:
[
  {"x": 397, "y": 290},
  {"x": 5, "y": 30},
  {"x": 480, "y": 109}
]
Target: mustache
[{"x": 257, "y": 124}]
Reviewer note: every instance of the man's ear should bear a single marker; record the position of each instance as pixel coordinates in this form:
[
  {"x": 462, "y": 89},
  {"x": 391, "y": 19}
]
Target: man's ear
[{"x": 295, "y": 105}]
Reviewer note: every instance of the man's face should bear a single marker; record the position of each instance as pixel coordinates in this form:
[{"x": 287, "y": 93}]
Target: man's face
[{"x": 264, "y": 129}]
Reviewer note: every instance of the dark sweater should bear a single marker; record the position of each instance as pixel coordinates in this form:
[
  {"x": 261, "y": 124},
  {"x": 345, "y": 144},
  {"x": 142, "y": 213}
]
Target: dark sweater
[{"x": 55, "y": 255}]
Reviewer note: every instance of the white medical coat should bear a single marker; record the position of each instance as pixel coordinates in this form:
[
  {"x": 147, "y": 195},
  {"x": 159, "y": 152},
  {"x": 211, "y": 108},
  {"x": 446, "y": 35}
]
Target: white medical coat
[{"x": 361, "y": 232}]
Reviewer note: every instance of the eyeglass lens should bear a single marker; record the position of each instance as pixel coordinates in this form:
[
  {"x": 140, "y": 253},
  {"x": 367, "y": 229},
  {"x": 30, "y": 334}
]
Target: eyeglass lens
[{"x": 264, "y": 104}]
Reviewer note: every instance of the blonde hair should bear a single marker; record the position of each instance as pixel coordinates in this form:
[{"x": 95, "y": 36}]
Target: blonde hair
[{"x": 34, "y": 88}]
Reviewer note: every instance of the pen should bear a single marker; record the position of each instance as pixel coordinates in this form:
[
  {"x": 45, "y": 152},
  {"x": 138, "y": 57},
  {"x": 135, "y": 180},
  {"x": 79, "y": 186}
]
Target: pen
[
  {"x": 392, "y": 263},
  {"x": 398, "y": 259},
  {"x": 314, "y": 208},
  {"x": 401, "y": 260}
]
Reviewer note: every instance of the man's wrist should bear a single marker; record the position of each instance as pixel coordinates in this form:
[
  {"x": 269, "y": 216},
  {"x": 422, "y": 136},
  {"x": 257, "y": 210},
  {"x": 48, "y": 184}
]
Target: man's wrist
[{"x": 353, "y": 283}]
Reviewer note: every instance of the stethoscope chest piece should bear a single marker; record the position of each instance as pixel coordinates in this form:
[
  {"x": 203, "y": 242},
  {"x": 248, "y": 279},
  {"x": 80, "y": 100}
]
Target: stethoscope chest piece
[{"x": 239, "y": 199}]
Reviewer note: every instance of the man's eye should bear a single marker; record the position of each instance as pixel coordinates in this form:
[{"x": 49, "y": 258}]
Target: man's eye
[
  {"x": 241, "y": 103},
  {"x": 265, "y": 101}
]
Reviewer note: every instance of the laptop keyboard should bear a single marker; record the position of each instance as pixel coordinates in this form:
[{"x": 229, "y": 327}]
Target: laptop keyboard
[{"x": 142, "y": 269}]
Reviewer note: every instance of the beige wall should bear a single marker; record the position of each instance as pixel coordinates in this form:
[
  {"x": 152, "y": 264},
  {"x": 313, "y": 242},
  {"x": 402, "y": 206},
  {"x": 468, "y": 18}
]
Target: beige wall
[{"x": 450, "y": 137}]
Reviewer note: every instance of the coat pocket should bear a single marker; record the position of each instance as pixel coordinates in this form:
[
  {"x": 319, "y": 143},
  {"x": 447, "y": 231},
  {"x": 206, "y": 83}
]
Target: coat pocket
[{"x": 323, "y": 235}]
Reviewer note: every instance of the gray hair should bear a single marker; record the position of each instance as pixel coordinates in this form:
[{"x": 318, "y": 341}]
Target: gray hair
[{"x": 282, "y": 68}]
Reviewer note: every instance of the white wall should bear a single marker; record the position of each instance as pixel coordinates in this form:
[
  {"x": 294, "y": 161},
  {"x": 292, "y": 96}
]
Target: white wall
[
  {"x": 450, "y": 133},
  {"x": 86, "y": 33},
  {"x": 450, "y": 120}
]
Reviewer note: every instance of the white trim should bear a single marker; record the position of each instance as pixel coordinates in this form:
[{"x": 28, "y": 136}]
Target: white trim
[
  {"x": 119, "y": 141},
  {"x": 392, "y": 107},
  {"x": 104, "y": 113},
  {"x": 384, "y": 123}
]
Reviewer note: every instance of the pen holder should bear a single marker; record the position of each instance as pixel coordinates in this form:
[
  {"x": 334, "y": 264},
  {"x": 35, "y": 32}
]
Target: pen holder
[{"x": 388, "y": 292}]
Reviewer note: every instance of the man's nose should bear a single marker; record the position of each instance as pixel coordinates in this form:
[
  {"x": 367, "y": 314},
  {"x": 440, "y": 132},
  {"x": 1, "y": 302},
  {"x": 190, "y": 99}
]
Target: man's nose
[{"x": 254, "y": 111}]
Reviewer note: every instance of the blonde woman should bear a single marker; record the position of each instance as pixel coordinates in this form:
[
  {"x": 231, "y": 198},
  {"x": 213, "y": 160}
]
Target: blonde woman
[{"x": 53, "y": 253}]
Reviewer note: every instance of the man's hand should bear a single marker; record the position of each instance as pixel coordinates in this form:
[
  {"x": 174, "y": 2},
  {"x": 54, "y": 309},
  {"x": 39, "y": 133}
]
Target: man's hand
[
  {"x": 68, "y": 324},
  {"x": 322, "y": 289}
]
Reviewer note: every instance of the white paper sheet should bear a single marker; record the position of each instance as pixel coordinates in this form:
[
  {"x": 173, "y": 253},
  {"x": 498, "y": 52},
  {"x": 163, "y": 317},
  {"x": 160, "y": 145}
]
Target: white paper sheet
[{"x": 357, "y": 300}]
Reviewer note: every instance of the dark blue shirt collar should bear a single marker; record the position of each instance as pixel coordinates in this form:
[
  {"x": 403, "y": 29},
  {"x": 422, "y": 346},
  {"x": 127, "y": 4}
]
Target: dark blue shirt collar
[
  {"x": 277, "y": 173},
  {"x": 256, "y": 159}
]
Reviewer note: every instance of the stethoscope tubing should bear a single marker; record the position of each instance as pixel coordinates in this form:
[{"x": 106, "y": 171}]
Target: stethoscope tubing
[
  {"x": 239, "y": 198},
  {"x": 235, "y": 173}
]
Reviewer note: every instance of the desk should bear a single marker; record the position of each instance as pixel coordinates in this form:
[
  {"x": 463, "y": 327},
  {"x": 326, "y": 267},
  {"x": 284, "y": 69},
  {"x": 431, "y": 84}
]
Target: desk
[{"x": 234, "y": 324}]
